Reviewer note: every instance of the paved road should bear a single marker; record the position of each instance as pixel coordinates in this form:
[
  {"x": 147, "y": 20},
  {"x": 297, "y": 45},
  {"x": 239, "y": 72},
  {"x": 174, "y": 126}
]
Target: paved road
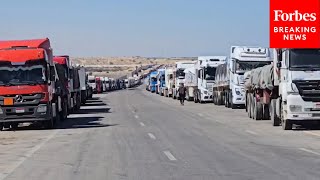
[{"x": 136, "y": 135}]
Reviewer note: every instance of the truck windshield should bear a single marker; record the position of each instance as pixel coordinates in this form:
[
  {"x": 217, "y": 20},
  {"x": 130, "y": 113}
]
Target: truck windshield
[
  {"x": 92, "y": 81},
  {"x": 210, "y": 73},
  {"x": 180, "y": 73},
  {"x": 153, "y": 79},
  {"x": 244, "y": 66},
  {"x": 29, "y": 73},
  {"x": 304, "y": 58}
]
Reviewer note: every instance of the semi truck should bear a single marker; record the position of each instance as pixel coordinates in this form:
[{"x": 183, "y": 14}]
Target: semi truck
[
  {"x": 206, "y": 70},
  {"x": 75, "y": 90},
  {"x": 83, "y": 84},
  {"x": 229, "y": 87},
  {"x": 92, "y": 83},
  {"x": 153, "y": 81},
  {"x": 27, "y": 83},
  {"x": 190, "y": 82},
  {"x": 288, "y": 90},
  {"x": 180, "y": 75},
  {"x": 168, "y": 82},
  {"x": 160, "y": 81}
]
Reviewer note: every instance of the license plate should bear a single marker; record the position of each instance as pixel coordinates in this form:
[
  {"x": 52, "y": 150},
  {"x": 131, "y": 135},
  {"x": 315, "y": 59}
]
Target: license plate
[
  {"x": 19, "y": 110},
  {"x": 8, "y": 101}
]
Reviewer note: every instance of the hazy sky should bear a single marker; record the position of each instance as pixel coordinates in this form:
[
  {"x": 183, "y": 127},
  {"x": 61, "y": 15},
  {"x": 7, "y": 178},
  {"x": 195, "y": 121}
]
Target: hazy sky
[{"x": 138, "y": 27}]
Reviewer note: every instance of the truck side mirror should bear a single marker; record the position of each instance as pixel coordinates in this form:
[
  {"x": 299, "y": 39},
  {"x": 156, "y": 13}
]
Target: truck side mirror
[{"x": 279, "y": 64}]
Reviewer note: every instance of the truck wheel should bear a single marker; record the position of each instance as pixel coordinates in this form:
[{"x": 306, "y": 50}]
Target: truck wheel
[
  {"x": 266, "y": 113},
  {"x": 14, "y": 125},
  {"x": 286, "y": 124},
  {"x": 49, "y": 124},
  {"x": 273, "y": 116},
  {"x": 257, "y": 114},
  {"x": 249, "y": 106},
  {"x": 64, "y": 113},
  {"x": 225, "y": 99}
]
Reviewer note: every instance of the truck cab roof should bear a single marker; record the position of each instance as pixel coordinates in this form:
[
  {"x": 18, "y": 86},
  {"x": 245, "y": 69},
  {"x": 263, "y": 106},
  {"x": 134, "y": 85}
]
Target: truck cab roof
[
  {"x": 250, "y": 53},
  {"x": 20, "y": 51}
]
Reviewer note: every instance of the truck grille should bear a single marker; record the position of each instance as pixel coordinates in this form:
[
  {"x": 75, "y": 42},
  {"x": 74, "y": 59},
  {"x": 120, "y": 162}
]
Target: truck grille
[
  {"x": 309, "y": 90},
  {"x": 23, "y": 99}
]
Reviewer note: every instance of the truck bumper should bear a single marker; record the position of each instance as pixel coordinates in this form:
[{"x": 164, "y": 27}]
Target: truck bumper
[
  {"x": 238, "y": 100},
  {"x": 298, "y": 109},
  {"x": 25, "y": 114}
]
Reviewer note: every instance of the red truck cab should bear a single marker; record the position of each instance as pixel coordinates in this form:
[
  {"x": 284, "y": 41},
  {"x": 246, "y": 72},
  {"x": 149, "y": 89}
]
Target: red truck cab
[{"x": 27, "y": 82}]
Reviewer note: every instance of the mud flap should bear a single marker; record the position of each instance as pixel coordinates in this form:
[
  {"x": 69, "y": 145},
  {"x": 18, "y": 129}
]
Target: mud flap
[
  {"x": 54, "y": 110},
  {"x": 59, "y": 104}
]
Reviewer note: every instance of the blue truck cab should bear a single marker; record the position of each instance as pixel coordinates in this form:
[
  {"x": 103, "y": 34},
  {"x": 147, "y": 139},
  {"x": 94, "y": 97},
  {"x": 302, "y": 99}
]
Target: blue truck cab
[{"x": 153, "y": 81}]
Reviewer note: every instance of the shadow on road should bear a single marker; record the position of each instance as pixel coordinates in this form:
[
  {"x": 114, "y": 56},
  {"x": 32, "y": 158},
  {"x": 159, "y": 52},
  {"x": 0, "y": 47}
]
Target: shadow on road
[
  {"x": 75, "y": 120},
  {"x": 84, "y": 122},
  {"x": 93, "y": 111},
  {"x": 95, "y": 104}
]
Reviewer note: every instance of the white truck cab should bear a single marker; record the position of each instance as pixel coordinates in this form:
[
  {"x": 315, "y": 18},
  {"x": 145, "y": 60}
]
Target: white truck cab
[
  {"x": 180, "y": 75},
  {"x": 92, "y": 83},
  {"x": 206, "y": 70},
  {"x": 297, "y": 73},
  {"x": 243, "y": 59}
]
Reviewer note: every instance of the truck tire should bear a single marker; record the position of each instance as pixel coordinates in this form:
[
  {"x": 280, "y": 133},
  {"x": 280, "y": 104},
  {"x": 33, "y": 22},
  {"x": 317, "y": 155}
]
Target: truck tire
[
  {"x": 219, "y": 99},
  {"x": 273, "y": 116},
  {"x": 49, "y": 124},
  {"x": 78, "y": 102},
  {"x": 226, "y": 99},
  {"x": 14, "y": 125},
  {"x": 64, "y": 113},
  {"x": 266, "y": 112},
  {"x": 249, "y": 106},
  {"x": 231, "y": 105},
  {"x": 258, "y": 110}
]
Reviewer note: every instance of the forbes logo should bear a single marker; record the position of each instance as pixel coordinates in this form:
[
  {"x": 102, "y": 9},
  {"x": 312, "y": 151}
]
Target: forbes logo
[{"x": 295, "y": 16}]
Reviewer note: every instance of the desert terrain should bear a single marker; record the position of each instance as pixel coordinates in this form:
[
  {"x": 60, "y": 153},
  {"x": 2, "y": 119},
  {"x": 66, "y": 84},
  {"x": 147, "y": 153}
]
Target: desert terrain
[{"x": 116, "y": 67}]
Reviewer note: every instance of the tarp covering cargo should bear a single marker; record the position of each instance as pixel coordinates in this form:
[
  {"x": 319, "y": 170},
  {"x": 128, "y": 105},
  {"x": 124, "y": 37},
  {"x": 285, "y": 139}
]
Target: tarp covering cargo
[
  {"x": 266, "y": 77},
  {"x": 190, "y": 77},
  {"x": 255, "y": 78},
  {"x": 221, "y": 75}
]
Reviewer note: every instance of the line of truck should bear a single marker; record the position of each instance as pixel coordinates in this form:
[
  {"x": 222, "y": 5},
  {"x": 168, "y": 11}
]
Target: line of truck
[{"x": 281, "y": 85}]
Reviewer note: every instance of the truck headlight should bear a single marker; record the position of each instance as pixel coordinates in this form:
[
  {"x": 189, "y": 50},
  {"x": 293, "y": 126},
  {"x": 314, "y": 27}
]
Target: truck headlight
[
  {"x": 205, "y": 92},
  {"x": 237, "y": 91},
  {"x": 42, "y": 108},
  {"x": 1, "y": 111},
  {"x": 295, "y": 108},
  {"x": 294, "y": 88}
]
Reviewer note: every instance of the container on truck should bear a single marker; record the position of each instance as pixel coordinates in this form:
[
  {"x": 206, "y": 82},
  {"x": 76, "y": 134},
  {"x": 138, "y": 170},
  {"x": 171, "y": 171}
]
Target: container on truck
[
  {"x": 27, "y": 83},
  {"x": 229, "y": 89}
]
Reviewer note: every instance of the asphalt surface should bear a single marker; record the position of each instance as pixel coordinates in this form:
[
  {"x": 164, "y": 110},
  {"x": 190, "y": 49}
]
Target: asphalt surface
[{"x": 135, "y": 135}]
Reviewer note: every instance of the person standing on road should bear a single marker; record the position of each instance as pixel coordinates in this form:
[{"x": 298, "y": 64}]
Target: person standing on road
[{"x": 182, "y": 93}]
